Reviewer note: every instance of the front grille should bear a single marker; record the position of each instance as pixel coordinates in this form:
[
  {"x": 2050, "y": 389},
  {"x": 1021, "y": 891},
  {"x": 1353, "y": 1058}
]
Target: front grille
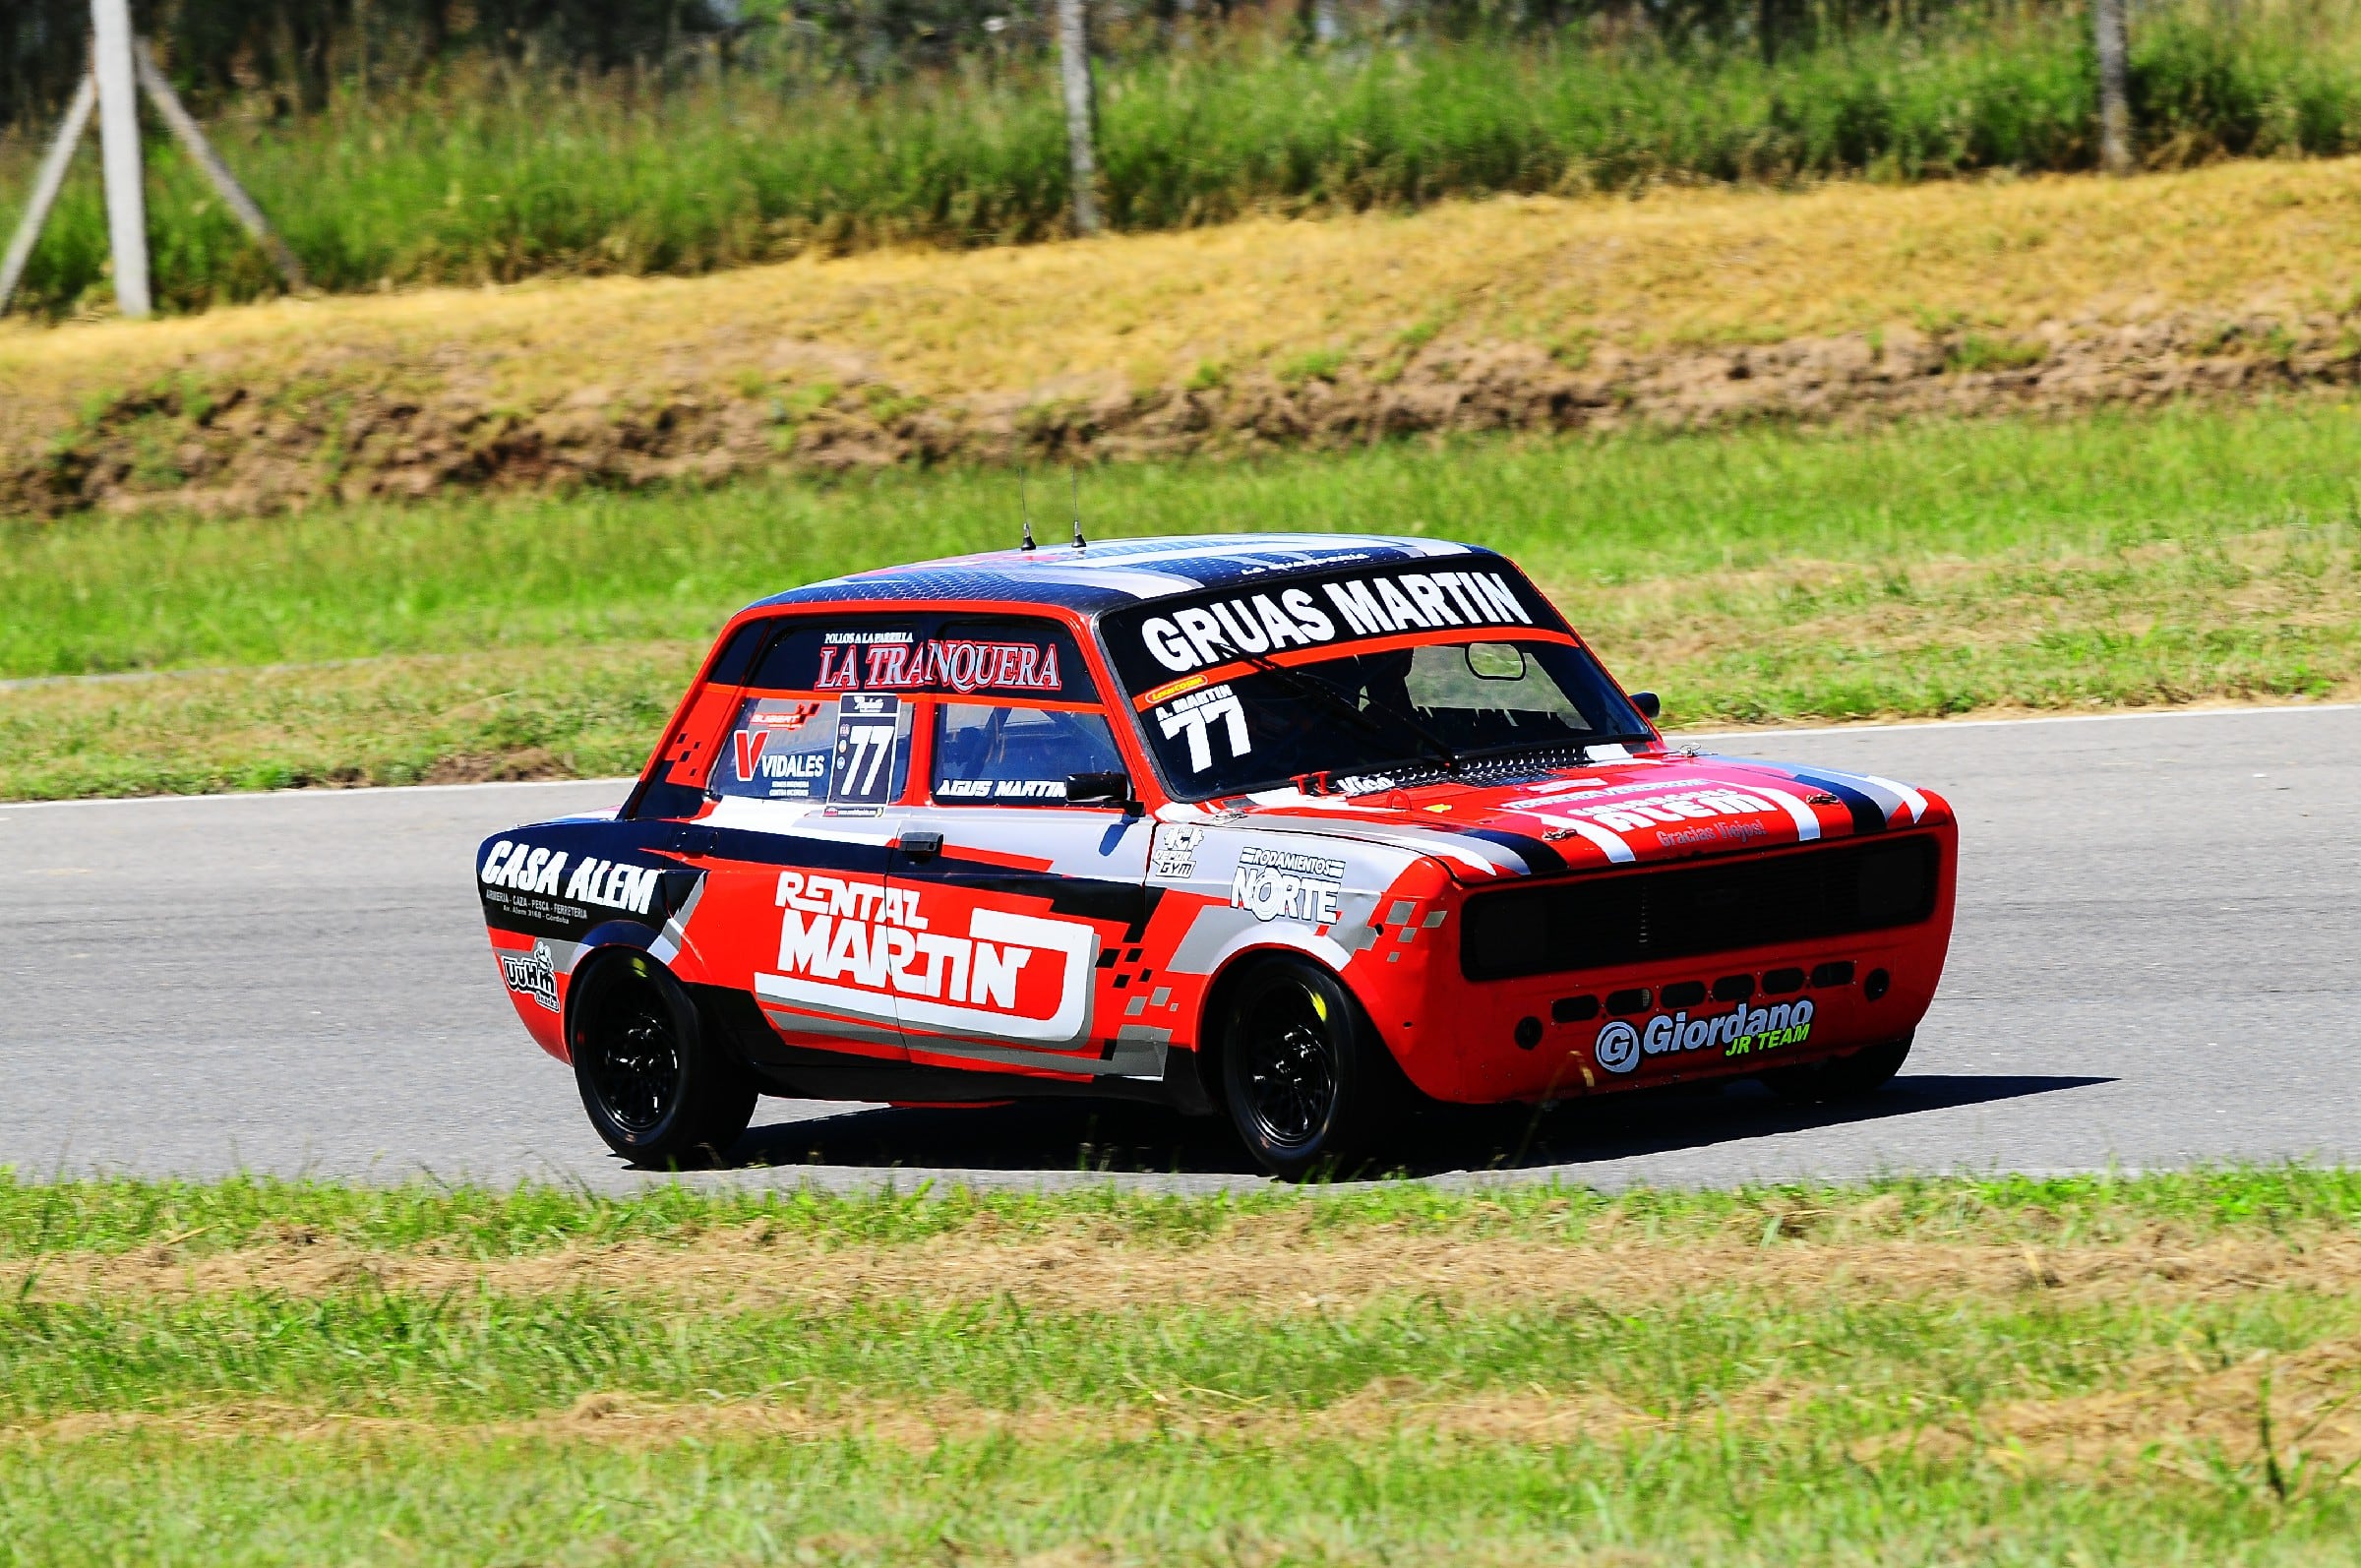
[{"x": 1605, "y": 921}]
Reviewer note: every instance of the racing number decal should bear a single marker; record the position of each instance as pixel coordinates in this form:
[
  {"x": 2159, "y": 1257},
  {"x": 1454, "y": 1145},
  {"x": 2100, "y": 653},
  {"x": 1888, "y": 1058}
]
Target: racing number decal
[
  {"x": 1196, "y": 715},
  {"x": 867, "y": 728}
]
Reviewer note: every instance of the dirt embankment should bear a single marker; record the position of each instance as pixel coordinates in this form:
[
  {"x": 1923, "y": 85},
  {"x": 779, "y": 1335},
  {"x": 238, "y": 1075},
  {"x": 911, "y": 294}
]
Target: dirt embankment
[
  {"x": 1682, "y": 310},
  {"x": 350, "y": 431}
]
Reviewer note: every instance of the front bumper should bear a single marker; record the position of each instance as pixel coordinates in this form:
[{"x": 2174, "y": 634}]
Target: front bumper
[{"x": 1635, "y": 1022}]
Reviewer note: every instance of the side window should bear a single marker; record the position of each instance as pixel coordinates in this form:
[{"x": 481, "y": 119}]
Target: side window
[
  {"x": 688, "y": 761},
  {"x": 1015, "y": 712},
  {"x": 808, "y": 729},
  {"x": 780, "y": 749},
  {"x": 826, "y": 710},
  {"x": 737, "y": 656},
  {"x": 991, "y": 753}
]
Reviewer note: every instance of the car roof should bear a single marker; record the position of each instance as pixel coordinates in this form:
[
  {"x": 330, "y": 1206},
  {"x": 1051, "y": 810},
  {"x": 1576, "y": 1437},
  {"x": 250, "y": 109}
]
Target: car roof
[{"x": 1110, "y": 573}]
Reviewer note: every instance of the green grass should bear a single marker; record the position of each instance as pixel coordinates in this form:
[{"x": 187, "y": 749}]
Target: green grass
[
  {"x": 540, "y": 712},
  {"x": 1767, "y": 1421},
  {"x": 119, "y": 1215},
  {"x": 492, "y": 1355},
  {"x": 1198, "y": 1501},
  {"x": 1762, "y": 575},
  {"x": 500, "y": 178},
  {"x": 1591, "y": 518}
]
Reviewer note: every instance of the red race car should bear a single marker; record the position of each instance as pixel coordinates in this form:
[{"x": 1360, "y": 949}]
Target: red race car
[{"x": 1295, "y": 829}]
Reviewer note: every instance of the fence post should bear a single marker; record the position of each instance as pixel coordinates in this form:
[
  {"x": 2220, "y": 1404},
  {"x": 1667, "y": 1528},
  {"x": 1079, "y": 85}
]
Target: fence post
[
  {"x": 119, "y": 144},
  {"x": 2114, "y": 95},
  {"x": 225, "y": 184},
  {"x": 1081, "y": 111},
  {"x": 45, "y": 184}
]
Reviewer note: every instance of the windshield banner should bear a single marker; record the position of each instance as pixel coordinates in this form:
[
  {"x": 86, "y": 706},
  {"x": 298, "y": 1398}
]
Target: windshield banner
[{"x": 1156, "y": 643}]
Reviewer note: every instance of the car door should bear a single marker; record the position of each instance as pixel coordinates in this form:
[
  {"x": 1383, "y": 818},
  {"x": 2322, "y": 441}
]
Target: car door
[
  {"x": 807, "y": 791},
  {"x": 1028, "y": 909}
]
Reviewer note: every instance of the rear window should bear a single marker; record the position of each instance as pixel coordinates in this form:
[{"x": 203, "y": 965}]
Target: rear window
[
  {"x": 821, "y": 708},
  {"x": 1002, "y": 658}
]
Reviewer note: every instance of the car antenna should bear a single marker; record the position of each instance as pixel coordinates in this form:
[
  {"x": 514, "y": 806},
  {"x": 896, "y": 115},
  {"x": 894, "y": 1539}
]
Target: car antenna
[
  {"x": 1023, "y": 510},
  {"x": 1074, "y": 477}
]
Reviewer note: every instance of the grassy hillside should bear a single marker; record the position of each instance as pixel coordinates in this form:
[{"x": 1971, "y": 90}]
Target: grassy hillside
[
  {"x": 2157, "y": 1370},
  {"x": 1679, "y": 309},
  {"x": 501, "y": 177},
  {"x": 1916, "y": 570}
]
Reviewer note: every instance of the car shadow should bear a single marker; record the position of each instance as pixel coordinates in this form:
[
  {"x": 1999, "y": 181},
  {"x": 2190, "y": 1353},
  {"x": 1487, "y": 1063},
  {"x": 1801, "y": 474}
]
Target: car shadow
[
  {"x": 1064, "y": 1136},
  {"x": 1622, "y": 1127}
]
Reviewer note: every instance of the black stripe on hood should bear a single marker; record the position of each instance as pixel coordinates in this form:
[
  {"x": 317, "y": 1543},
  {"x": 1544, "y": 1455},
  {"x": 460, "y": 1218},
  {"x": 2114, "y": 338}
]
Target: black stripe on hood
[
  {"x": 1539, "y": 858},
  {"x": 1868, "y": 816}
]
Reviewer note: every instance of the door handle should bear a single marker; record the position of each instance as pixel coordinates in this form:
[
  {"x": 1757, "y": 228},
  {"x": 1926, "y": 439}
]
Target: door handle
[
  {"x": 689, "y": 839},
  {"x": 920, "y": 846}
]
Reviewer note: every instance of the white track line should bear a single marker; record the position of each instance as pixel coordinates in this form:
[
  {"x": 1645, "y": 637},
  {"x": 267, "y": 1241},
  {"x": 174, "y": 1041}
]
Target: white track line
[{"x": 350, "y": 792}]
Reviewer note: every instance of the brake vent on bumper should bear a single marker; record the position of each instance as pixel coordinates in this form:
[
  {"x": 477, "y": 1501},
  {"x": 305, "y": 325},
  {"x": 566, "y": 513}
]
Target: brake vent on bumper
[{"x": 1597, "y": 922}]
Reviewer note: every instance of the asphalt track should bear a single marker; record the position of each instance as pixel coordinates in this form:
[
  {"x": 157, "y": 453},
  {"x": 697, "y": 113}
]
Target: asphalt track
[{"x": 2158, "y": 963}]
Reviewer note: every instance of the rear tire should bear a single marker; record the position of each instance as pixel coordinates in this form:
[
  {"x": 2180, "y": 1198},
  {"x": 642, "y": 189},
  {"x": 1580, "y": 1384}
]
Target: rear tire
[
  {"x": 655, "y": 1090},
  {"x": 1847, "y": 1077},
  {"x": 1310, "y": 1088}
]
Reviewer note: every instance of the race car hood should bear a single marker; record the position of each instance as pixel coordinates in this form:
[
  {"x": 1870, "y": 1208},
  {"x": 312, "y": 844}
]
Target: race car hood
[{"x": 1642, "y": 809}]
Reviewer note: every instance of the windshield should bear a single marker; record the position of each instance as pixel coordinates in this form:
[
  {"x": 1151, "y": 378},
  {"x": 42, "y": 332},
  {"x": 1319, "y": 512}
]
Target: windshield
[{"x": 1369, "y": 720}]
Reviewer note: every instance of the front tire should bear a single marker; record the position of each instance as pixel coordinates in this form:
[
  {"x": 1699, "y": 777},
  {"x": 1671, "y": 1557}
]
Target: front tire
[
  {"x": 1309, "y": 1086},
  {"x": 655, "y": 1090}
]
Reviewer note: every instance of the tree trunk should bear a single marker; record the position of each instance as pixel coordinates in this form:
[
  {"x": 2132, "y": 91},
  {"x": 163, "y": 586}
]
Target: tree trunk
[
  {"x": 1081, "y": 111},
  {"x": 2114, "y": 97}
]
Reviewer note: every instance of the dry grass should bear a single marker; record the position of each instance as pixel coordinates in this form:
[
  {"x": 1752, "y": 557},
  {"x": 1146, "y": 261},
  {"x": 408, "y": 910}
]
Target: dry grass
[
  {"x": 1673, "y": 267},
  {"x": 2175, "y": 1411},
  {"x": 1383, "y": 1410},
  {"x": 2169, "y": 1412},
  {"x": 1276, "y": 1264},
  {"x": 2067, "y": 1372},
  {"x": 2178, "y": 1410}
]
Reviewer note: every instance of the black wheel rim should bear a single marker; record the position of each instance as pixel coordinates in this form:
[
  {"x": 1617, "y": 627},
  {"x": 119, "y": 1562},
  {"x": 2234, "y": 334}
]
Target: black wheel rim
[
  {"x": 635, "y": 1058},
  {"x": 1289, "y": 1053}
]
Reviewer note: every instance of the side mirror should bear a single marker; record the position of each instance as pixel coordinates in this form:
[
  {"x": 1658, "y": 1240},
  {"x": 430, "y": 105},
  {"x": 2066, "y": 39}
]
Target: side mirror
[
  {"x": 1496, "y": 661},
  {"x": 1649, "y": 704},
  {"x": 1099, "y": 789}
]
